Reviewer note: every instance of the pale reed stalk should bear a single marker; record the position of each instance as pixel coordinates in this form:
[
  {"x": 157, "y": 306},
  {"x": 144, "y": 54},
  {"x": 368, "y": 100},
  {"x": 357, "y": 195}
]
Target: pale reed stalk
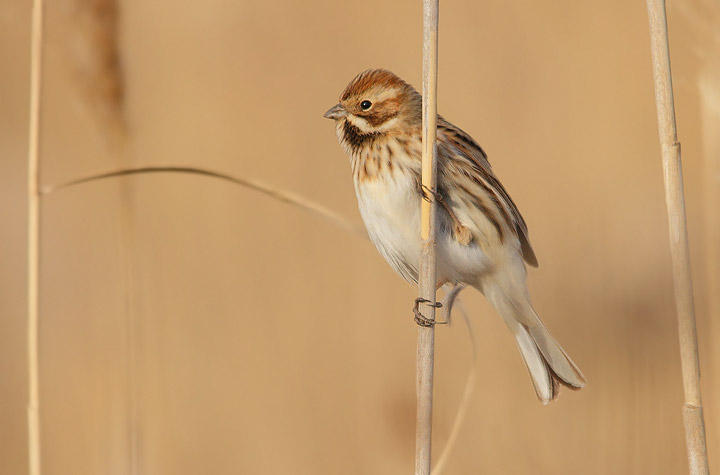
[
  {"x": 469, "y": 386},
  {"x": 33, "y": 240},
  {"x": 426, "y": 281},
  {"x": 679, "y": 248}
]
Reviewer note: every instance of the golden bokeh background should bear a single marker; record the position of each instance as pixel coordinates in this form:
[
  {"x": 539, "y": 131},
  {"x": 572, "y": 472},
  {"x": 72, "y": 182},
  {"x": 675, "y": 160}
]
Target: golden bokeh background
[{"x": 190, "y": 326}]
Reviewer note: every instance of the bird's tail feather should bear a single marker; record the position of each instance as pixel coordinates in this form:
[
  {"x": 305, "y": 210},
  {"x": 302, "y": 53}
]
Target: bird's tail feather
[{"x": 546, "y": 361}]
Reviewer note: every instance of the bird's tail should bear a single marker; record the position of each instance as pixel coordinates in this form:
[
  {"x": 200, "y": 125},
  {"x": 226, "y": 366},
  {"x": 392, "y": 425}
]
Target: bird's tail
[{"x": 546, "y": 361}]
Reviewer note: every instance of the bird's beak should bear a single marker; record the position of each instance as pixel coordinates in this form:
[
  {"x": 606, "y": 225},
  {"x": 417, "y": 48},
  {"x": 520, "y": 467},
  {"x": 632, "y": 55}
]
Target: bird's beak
[{"x": 336, "y": 112}]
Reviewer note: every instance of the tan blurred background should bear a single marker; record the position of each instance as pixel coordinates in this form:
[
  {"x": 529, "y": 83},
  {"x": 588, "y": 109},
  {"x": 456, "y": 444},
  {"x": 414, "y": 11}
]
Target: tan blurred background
[{"x": 189, "y": 326}]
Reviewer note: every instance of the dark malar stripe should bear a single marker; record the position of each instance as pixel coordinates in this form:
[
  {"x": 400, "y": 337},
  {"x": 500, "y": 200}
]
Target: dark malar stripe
[{"x": 356, "y": 138}]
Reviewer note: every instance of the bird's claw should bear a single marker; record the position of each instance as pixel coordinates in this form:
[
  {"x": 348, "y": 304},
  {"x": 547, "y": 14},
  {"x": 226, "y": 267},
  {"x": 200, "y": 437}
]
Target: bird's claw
[
  {"x": 427, "y": 192},
  {"x": 421, "y": 319}
]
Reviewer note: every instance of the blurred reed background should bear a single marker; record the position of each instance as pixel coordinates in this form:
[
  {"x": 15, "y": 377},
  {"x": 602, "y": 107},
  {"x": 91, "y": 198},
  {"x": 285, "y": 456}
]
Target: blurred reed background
[{"x": 190, "y": 326}]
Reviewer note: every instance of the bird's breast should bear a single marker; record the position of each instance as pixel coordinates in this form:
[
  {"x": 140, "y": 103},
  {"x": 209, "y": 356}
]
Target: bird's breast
[{"x": 390, "y": 207}]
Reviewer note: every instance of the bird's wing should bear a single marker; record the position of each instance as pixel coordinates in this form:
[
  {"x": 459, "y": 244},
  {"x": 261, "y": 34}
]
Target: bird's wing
[{"x": 465, "y": 162}]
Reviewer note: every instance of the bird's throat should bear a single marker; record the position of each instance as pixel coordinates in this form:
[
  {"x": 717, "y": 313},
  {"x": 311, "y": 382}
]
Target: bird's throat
[{"x": 355, "y": 139}]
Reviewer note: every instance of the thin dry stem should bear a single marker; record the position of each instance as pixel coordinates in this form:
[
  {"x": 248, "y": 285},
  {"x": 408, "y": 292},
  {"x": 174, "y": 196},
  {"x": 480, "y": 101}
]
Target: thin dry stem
[
  {"x": 679, "y": 247},
  {"x": 284, "y": 196},
  {"x": 467, "y": 393},
  {"x": 33, "y": 237},
  {"x": 427, "y": 278}
]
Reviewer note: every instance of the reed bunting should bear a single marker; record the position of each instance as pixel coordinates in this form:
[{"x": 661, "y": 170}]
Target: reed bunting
[{"x": 482, "y": 240}]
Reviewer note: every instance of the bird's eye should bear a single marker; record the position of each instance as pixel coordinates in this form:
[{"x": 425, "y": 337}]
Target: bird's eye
[{"x": 365, "y": 105}]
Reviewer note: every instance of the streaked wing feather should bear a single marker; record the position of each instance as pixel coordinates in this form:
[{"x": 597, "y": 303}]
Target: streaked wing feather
[{"x": 471, "y": 152}]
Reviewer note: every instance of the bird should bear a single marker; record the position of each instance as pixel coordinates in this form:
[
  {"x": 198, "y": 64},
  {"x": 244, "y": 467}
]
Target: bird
[{"x": 481, "y": 237}]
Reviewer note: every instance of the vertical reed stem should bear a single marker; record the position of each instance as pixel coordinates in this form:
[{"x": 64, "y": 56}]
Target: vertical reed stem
[
  {"x": 427, "y": 280},
  {"x": 33, "y": 201},
  {"x": 679, "y": 248}
]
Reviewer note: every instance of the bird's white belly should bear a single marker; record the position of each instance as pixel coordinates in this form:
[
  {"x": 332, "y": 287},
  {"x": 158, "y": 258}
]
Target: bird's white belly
[{"x": 390, "y": 208}]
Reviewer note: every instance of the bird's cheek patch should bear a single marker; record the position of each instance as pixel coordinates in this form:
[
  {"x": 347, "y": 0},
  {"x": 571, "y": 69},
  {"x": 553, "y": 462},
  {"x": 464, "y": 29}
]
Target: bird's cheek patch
[{"x": 383, "y": 111}]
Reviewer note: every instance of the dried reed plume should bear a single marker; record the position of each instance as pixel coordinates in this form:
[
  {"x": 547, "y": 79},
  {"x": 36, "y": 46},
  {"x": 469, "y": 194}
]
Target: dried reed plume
[{"x": 96, "y": 58}]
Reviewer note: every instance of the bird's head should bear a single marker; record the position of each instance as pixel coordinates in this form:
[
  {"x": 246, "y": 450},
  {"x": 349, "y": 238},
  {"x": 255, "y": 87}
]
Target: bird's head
[{"x": 377, "y": 102}]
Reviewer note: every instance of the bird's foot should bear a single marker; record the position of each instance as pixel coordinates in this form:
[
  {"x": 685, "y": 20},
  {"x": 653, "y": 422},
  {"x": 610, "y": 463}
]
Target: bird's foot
[
  {"x": 427, "y": 193},
  {"x": 421, "y": 319}
]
